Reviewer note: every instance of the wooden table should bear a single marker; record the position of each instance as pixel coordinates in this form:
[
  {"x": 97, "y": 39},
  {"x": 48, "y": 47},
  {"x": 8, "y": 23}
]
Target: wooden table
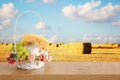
[{"x": 63, "y": 71}]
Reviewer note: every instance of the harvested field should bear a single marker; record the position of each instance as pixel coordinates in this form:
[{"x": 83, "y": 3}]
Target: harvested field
[
  {"x": 96, "y": 56},
  {"x": 72, "y": 53}
]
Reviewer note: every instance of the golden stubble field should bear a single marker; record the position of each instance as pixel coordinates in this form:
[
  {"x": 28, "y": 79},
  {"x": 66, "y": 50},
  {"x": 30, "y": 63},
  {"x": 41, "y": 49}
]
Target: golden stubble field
[
  {"x": 72, "y": 52},
  {"x": 99, "y": 53}
]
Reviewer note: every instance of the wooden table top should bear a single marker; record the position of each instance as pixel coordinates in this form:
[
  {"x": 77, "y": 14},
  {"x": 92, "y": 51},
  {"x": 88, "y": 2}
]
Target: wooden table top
[{"x": 66, "y": 69}]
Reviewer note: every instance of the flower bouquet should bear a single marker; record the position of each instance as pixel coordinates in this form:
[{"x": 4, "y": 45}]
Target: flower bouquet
[{"x": 28, "y": 56}]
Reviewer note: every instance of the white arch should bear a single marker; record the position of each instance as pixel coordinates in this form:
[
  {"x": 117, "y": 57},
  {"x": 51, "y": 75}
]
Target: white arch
[{"x": 25, "y": 12}]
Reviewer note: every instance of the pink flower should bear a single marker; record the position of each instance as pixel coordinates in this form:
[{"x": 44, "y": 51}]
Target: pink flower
[
  {"x": 42, "y": 58},
  {"x": 11, "y": 61}
]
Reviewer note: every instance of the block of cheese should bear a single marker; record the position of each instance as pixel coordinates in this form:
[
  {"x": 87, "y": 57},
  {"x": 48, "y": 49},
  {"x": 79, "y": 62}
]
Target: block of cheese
[{"x": 35, "y": 39}]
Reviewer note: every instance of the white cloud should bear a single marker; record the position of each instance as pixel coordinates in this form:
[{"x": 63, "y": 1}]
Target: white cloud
[
  {"x": 5, "y": 23},
  {"x": 90, "y": 12},
  {"x": 48, "y": 1},
  {"x": 53, "y": 39},
  {"x": 41, "y": 26},
  {"x": 7, "y": 12},
  {"x": 101, "y": 38},
  {"x": 117, "y": 23}
]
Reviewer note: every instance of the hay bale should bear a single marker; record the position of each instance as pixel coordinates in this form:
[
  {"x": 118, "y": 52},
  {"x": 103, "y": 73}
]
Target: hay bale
[
  {"x": 118, "y": 45},
  {"x": 83, "y": 48},
  {"x": 50, "y": 44},
  {"x": 57, "y": 45},
  {"x": 87, "y": 47}
]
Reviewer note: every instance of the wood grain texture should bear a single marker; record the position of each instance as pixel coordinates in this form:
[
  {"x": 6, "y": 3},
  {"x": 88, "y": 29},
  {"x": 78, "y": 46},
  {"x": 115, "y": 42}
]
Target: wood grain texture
[{"x": 63, "y": 71}]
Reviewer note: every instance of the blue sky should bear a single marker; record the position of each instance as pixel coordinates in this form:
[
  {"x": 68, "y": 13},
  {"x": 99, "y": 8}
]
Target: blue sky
[{"x": 96, "y": 21}]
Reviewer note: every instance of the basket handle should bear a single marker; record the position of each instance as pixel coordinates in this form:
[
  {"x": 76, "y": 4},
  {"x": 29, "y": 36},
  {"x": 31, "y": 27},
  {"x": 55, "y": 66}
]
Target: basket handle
[{"x": 25, "y": 12}]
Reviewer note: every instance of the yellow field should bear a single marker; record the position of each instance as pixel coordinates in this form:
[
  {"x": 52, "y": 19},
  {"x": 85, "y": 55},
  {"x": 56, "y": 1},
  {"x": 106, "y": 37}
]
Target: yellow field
[
  {"x": 5, "y": 49},
  {"x": 96, "y": 56},
  {"x": 73, "y": 52}
]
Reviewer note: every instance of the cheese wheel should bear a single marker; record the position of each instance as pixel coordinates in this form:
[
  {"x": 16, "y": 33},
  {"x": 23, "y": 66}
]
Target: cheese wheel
[{"x": 35, "y": 39}]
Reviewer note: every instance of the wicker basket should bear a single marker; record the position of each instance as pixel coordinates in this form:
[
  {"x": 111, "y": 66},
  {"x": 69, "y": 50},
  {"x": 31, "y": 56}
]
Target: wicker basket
[
  {"x": 27, "y": 64},
  {"x": 30, "y": 65}
]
